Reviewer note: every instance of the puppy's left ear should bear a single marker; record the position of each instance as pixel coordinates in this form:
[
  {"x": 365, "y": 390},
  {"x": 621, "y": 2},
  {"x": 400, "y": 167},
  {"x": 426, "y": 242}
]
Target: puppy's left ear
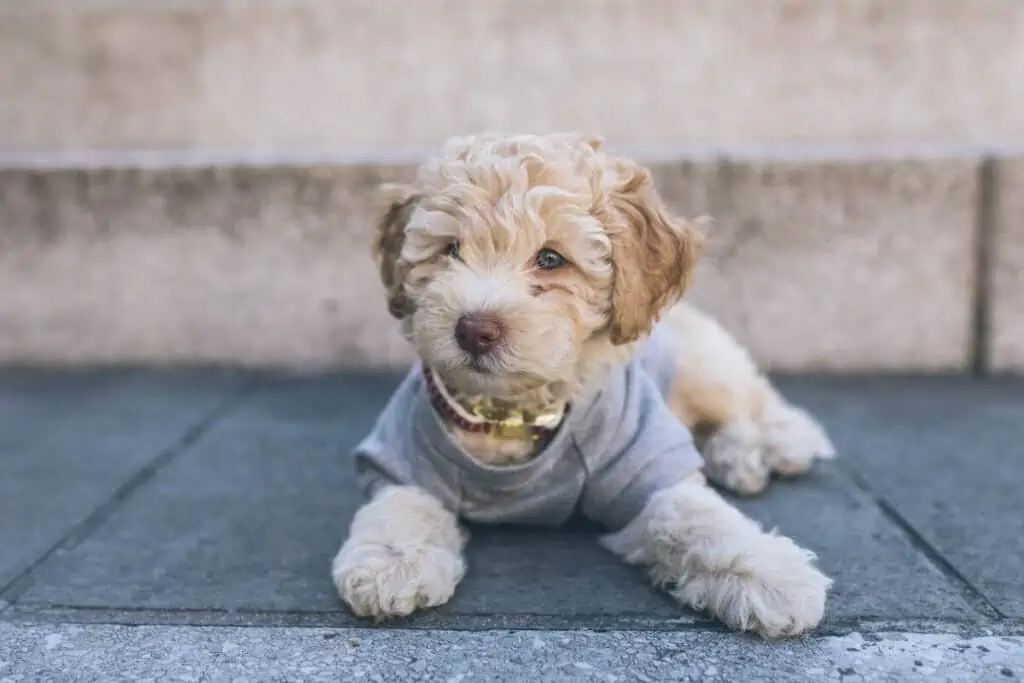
[
  {"x": 396, "y": 204},
  {"x": 653, "y": 253}
]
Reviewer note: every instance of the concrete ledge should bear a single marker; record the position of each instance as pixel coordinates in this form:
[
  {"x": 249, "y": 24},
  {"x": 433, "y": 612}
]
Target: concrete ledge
[
  {"x": 309, "y": 74},
  {"x": 258, "y": 267},
  {"x": 1006, "y": 334},
  {"x": 837, "y": 265},
  {"x": 841, "y": 265}
]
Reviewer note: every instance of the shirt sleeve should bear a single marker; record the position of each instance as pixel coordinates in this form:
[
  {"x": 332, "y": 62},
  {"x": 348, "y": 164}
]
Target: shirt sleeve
[
  {"x": 632, "y": 447},
  {"x": 382, "y": 458}
]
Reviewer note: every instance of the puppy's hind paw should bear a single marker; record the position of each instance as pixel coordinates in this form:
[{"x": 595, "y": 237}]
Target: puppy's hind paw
[
  {"x": 381, "y": 581},
  {"x": 734, "y": 458},
  {"x": 793, "y": 440}
]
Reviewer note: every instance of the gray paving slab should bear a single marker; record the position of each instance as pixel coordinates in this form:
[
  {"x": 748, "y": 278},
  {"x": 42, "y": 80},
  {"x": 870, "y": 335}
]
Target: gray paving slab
[
  {"x": 31, "y": 402},
  {"x": 71, "y": 442},
  {"x": 877, "y": 570},
  {"x": 947, "y": 456},
  {"x": 249, "y": 516},
  {"x": 151, "y": 653}
]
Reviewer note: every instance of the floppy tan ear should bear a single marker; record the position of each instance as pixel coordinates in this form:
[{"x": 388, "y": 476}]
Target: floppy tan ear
[
  {"x": 591, "y": 140},
  {"x": 397, "y": 202},
  {"x": 653, "y": 254}
]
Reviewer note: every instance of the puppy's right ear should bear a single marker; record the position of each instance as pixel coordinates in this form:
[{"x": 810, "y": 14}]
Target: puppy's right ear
[{"x": 397, "y": 202}]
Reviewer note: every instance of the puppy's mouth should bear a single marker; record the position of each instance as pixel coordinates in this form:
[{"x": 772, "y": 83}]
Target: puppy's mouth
[
  {"x": 491, "y": 364},
  {"x": 490, "y": 375},
  {"x": 479, "y": 366}
]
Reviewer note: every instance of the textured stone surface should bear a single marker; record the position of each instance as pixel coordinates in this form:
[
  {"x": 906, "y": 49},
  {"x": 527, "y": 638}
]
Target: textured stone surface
[
  {"x": 247, "y": 520},
  {"x": 118, "y": 653},
  {"x": 945, "y": 455},
  {"x": 1007, "y": 283},
  {"x": 244, "y": 266},
  {"x": 69, "y": 444},
  {"x": 250, "y": 518},
  {"x": 878, "y": 572},
  {"x": 838, "y": 265},
  {"x": 835, "y": 265},
  {"x": 355, "y": 74}
]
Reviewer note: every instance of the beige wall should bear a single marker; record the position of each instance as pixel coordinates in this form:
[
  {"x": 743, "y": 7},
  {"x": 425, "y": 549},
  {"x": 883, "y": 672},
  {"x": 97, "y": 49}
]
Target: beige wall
[
  {"x": 357, "y": 74},
  {"x": 847, "y": 223}
]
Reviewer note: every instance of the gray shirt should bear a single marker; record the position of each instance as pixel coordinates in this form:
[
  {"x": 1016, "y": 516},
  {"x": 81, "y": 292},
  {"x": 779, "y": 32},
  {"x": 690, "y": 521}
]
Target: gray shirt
[{"x": 617, "y": 446}]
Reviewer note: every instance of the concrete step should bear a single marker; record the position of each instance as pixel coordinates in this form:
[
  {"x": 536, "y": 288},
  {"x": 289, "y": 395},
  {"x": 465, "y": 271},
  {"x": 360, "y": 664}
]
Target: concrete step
[
  {"x": 907, "y": 261},
  {"x": 356, "y": 74}
]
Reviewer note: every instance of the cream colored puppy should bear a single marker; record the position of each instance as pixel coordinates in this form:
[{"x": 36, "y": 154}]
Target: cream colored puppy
[{"x": 530, "y": 273}]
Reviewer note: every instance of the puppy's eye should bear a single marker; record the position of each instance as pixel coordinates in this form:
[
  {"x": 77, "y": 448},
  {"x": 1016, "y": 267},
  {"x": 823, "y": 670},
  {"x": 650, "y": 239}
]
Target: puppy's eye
[
  {"x": 452, "y": 249},
  {"x": 549, "y": 259}
]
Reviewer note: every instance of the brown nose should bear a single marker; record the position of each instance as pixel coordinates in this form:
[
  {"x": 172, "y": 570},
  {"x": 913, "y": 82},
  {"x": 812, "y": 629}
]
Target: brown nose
[{"x": 478, "y": 334}]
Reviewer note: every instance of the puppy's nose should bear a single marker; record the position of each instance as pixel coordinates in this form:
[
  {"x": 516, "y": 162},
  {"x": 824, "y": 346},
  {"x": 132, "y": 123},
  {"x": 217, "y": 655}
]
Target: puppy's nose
[{"x": 478, "y": 334}]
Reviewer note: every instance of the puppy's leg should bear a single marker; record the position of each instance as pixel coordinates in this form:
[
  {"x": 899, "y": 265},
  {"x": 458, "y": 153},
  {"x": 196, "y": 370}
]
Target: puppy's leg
[
  {"x": 713, "y": 558},
  {"x": 404, "y": 552},
  {"x": 745, "y": 428}
]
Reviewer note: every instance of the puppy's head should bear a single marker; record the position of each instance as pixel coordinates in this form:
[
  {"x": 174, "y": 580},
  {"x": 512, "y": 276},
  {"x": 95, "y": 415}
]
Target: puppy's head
[{"x": 516, "y": 263}]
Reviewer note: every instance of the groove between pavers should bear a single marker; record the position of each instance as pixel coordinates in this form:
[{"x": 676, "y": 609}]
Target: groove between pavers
[
  {"x": 13, "y": 589},
  {"x": 971, "y": 593}
]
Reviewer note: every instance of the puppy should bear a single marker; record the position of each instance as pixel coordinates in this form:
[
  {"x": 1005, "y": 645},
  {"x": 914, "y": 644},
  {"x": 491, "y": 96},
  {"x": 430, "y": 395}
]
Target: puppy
[{"x": 530, "y": 273}]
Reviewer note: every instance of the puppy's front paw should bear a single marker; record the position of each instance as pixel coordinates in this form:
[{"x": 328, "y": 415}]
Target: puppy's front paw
[
  {"x": 382, "y": 581},
  {"x": 771, "y": 588}
]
